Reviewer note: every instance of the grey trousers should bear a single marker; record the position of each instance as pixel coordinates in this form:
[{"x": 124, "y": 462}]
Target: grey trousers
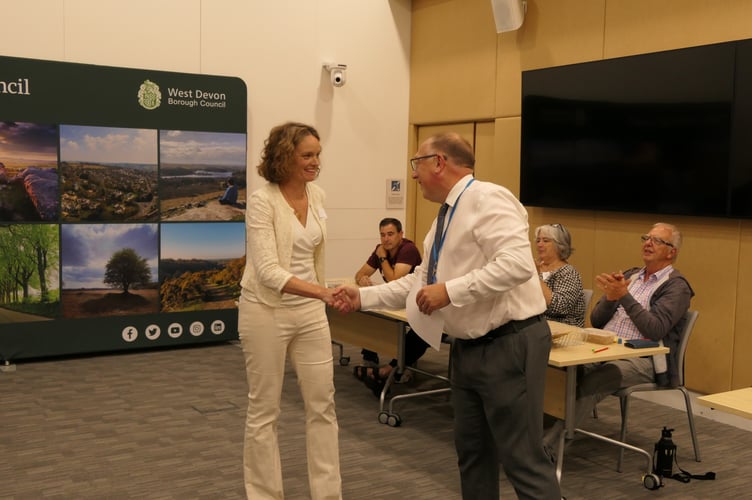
[
  {"x": 596, "y": 381},
  {"x": 497, "y": 397}
]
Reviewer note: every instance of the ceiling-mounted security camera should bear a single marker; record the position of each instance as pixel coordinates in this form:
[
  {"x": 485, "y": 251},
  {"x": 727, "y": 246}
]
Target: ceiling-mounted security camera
[{"x": 337, "y": 73}]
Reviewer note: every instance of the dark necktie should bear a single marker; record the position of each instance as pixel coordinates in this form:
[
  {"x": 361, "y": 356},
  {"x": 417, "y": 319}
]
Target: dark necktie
[{"x": 434, "y": 258}]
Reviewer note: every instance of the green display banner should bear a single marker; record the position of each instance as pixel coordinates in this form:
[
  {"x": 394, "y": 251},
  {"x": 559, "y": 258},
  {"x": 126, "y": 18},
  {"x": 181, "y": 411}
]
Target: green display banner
[{"x": 122, "y": 207}]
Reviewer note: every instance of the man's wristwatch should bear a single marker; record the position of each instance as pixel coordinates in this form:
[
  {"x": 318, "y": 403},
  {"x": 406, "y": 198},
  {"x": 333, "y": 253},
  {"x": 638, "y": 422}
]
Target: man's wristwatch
[{"x": 381, "y": 260}]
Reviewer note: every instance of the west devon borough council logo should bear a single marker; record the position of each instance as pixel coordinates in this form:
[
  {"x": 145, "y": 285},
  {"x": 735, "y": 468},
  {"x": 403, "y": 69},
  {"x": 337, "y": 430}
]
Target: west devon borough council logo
[{"x": 149, "y": 96}]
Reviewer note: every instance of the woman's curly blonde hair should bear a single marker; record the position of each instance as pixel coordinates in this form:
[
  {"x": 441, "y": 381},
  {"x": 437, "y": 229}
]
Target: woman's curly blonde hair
[{"x": 279, "y": 150}]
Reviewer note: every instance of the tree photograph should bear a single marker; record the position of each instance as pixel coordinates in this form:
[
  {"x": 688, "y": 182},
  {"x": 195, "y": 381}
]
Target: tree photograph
[
  {"x": 109, "y": 269},
  {"x": 29, "y": 264},
  {"x": 125, "y": 269}
]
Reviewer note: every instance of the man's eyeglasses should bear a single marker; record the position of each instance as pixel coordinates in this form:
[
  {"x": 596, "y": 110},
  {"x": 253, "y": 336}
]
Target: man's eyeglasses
[
  {"x": 656, "y": 241},
  {"x": 414, "y": 161}
]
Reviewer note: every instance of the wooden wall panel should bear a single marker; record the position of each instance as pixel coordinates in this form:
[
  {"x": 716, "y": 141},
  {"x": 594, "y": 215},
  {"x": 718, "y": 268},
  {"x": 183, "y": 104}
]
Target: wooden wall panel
[
  {"x": 507, "y": 154},
  {"x": 742, "y": 345},
  {"x": 486, "y": 165},
  {"x": 640, "y": 26},
  {"x": 709, "y": 259},
  {"x": 453, "y": 61}
]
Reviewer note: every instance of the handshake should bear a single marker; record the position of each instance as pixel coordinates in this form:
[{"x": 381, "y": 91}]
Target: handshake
[{"x": 344, "y": 298}]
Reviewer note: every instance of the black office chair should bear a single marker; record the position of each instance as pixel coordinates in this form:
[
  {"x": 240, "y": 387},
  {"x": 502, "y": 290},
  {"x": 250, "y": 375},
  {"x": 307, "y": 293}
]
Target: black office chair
[{"x": 623, "y": 394}]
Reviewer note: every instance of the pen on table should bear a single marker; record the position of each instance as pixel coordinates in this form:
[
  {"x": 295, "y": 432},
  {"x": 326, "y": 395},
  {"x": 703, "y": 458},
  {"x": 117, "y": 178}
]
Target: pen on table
[{"x": 600, "y": 350}]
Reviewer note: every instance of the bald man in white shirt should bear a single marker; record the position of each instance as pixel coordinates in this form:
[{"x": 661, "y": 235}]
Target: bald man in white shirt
[{"x": 481, "y": 275}]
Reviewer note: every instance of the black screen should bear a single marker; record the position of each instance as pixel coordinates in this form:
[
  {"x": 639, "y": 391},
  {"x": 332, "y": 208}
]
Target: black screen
[
  {"x": 741, "y": 137},
  {"x": 649, "y": 133}
]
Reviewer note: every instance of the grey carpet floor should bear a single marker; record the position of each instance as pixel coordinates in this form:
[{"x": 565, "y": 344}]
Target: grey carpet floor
[{"x": 168, "y": 424}]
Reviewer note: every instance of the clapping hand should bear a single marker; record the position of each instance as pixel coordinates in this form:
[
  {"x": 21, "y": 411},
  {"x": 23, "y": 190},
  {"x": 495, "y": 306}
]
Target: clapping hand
[{"x": 614, "y": 285}]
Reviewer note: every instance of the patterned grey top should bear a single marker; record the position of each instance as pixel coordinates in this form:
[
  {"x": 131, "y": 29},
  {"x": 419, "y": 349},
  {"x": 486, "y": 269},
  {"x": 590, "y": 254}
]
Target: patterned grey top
[{"x": 567, "y": 298}]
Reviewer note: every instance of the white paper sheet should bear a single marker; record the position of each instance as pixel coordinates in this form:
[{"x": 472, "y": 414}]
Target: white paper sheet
[{"x": 429, "y": 328}]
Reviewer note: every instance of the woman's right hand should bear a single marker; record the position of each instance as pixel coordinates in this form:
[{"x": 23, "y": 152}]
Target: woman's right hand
[{"x": 328, "y": 296}]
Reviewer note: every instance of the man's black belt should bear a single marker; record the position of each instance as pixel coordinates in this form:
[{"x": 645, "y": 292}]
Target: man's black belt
[{"x": 513, "y": 326}]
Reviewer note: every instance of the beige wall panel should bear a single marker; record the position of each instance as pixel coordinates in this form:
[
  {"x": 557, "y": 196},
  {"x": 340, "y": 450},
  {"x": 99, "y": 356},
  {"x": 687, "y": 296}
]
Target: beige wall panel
[
  {"x": 508, "y": 74},
  {"x": 453, "y": 61},
  {"x": 640, "y": 26},
  {"x": 507, "y": 154},
  {"x": 486, "y": 166},
  {"x": 709, "y": 259},
  {"x": 742, "y": 373},
  {"x": 554, "y": 32}
]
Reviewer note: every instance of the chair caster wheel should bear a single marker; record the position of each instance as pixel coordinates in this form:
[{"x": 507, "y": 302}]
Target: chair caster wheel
[
  {"x": 394, "y": 420},
  {"x": 651, "y": 481},
  {"x": 390, "y": 419}
]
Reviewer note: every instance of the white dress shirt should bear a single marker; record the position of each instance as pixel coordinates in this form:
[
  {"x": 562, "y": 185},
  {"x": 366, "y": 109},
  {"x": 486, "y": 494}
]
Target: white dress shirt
[{"x": 486, "y": 263}]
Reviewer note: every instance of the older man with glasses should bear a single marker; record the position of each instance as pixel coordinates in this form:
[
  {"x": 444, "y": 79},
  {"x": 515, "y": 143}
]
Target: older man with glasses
[
  {"x": 642, "y": 303},
  {"x": 481, "y": 276}
]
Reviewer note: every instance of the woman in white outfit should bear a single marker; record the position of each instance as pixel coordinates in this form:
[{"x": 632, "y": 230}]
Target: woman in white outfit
[{"x": 282, "y": 313}]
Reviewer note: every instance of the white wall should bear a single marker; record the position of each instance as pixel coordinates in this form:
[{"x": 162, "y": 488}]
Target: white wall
[{"x": 277, "y": 47}]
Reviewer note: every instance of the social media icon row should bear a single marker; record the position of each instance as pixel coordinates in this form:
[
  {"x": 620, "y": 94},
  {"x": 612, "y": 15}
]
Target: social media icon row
[{"x": 175, "y": 330}]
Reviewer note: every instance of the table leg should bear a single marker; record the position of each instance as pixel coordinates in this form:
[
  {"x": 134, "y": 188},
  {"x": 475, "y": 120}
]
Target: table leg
[
  {"x": 401, "y": 332},
  {"x": 570, "y": 401}
]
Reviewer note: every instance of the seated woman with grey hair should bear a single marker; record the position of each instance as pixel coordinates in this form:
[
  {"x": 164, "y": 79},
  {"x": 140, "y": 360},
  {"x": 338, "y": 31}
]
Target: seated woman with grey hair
[{"x": 560, "y": 281}]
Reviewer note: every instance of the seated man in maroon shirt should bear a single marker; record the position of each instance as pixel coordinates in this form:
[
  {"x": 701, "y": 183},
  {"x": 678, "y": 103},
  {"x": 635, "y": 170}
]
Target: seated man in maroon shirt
[{"x": 394, "y": 257}]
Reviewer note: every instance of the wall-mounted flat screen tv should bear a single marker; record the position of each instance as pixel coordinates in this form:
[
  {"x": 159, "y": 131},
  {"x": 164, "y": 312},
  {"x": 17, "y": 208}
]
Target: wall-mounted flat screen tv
[{"x": 649, "y": 133}]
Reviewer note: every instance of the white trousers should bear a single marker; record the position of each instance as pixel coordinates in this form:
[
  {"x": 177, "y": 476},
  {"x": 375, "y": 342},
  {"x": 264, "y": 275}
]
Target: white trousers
[{"x": 268, "y": 335}]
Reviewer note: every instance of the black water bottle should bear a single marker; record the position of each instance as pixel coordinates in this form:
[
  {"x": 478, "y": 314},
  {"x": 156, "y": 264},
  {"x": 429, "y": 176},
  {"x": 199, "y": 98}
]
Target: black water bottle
[{"x": 663, "y": 456}]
